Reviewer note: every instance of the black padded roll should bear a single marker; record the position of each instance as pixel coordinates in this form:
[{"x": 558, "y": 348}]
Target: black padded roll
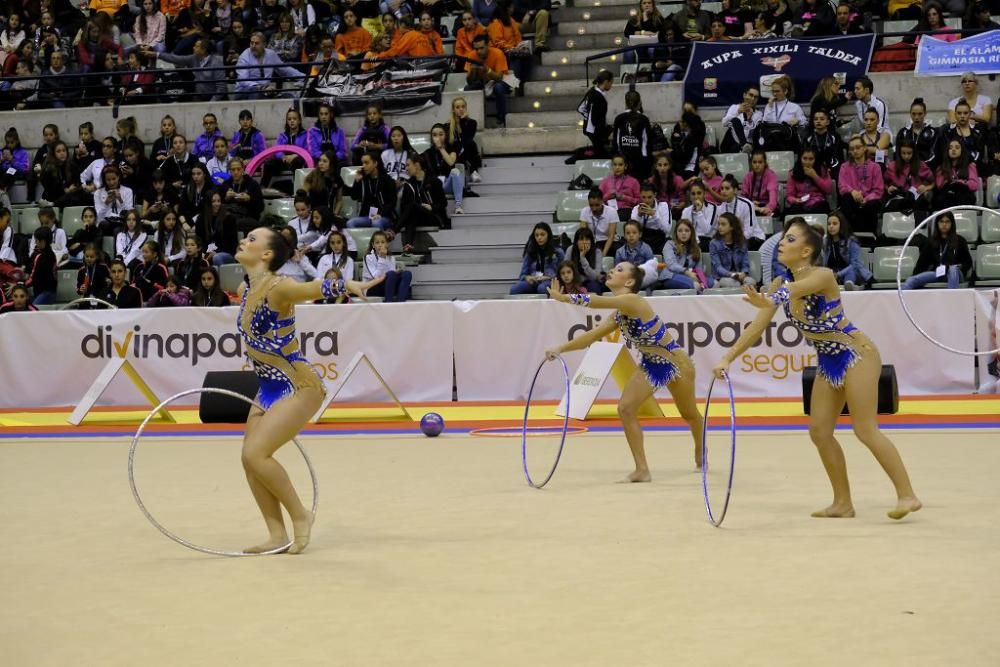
[
  {"x": 888, "y": 390},
  {"x": 218, "y": 409}
]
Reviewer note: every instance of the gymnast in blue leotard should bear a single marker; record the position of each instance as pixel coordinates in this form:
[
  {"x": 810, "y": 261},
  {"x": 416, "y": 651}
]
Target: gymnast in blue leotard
[
  {"x": 290, "y": 391},
  {"x": 662, "y": 361},
  {"x": 848, "y": 365}
]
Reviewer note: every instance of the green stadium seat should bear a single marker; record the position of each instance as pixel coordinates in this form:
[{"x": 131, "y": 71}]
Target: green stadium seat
[
  {"x": 300, "y": 178},
  {"x": 347, "y": 175},
  {"x": 766, "y": 223},
  {"x": 988, "y": 265},
  {"x": 737, "y": 164},
  {"x": 420, "y": 142},
  {"x": 755, "y": 268},
  {"x": 569, "y": 204},
  {"x": 71, "y": 220},
  {"x": 231, "y": 277},
  {"x": 362, "y": 237},
  {"x": 27, "y": 220},
  {"x": 991, "y": 228},
  {"x": 781, "y": 162},
  {"x": 815, "y": 219},
  {"x": 66, "y": 285},
  {"x": 897, "y": 225},
  {"x": 595, "y": 169},
  {"x": 967, "y": 226},
  {"x": 993, "y": 191},
  {"x": 886, "y": 260},
  {"x": 283, "y": 208}
]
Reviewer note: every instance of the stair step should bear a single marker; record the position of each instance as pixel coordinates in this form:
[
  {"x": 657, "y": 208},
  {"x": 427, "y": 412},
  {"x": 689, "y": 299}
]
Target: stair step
[
  {"x": 602, "y": 13},
  {"x": 462, "y": 290},
  {"x": 495, "y": 174},
  {"x": 541, "y": 89},
  {"x": 604, "y": 27},
  {"x": 495, "y": 218},
  {"x": 465, "y": 271},
  {"x": 522, "y": 141},
  {"x": 507, "y": 205},
  {"x": 571, "y": 56},
  {"x": 545, "y": 119},
  {"x": 586, "y": 41},
  {"x": 536, "y": 104},
  {"x": 523, "y": 162},
  {"x": 480, "y": 236},
  {"x": 603, "y": 3},
  {"x": 477, "y": 253},
  {"x": 518, "y": 189}
]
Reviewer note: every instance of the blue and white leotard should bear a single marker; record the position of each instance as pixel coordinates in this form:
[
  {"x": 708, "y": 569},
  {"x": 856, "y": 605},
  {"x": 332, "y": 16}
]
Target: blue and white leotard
[
  {"x": 273, "y": 348},
  {"x": 824, "y": 325},
  {"x": 658, "y": 368}
]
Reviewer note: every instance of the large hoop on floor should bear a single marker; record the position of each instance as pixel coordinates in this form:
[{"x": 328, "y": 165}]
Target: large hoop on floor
[
  {"x": 524, "y": 427},
  {"x": 899, "y": 280},
  {"x": 704, "y": 452},
  {"x": 157, "y": 524},
  {"x": 92, "y": 300}
]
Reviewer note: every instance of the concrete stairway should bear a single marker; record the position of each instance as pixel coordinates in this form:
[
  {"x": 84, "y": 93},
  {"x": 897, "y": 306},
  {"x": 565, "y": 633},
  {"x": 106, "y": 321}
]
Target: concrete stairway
[{"x": 480, "y": 256}]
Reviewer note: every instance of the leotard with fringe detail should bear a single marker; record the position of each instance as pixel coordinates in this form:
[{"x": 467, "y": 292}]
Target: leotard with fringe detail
[
  {"x": 658, "y": 368},
  {"x": 825, "y": 326},
  {"x": 273, "y": 347}
]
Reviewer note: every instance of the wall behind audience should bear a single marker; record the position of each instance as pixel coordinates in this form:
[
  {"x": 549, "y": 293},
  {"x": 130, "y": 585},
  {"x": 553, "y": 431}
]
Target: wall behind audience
[{"x": 269, "y": 117}]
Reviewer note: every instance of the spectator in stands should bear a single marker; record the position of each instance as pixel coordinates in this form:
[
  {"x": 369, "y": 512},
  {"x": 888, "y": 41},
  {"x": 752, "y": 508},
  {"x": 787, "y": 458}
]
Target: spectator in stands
[
  {"x": 307, "y": 231},
  {"x": 956, "y": 179},
  {"x": 465, "y": 34},
  {"x": 742, "y": 208},
  {"x": 461, "y": 132},
  {"x": 177, "y": 168},
  {"x": 163, "y": 145},
  {"x": 323, "y": 185},
  {"x": 59, "y": 86},
  {"x": 740, "y": 121},
  {"x": 763, "y": 27},
  {"x": 42, "y": 269},
  {"x": 602, "y": 219},
  {"x": 636, "y": 251},
  {"x": 619, "y": 189},
  {"x": 205, "y": 66},
  {"x": 828, "y": 99},
  {"x": 267, "y": 13},
  {"x": 971, "y": 136},
  {"x": 876, "y": 139},
  {"x": 540, "y": 261},
  {"x": 861, "y": 186},
  {"x": 379, "y": 265},
  {"x": 815, "y": 18},
  {"x": 842, "y": 254},
  {"x": 717, "y": 31},
  {"x": 487, "y": 74},
  {"x": 172, "y": 294},
  {"x": 410, "y": 43},
  {"x": 170, "y": 237},
  {"x": 899, "y": 10},
  {"x": 693, "y": 22},
  {"x": 198, "y": 21},
  {"x": 60, "y": 179},
  {"x": 977, "y": 17},
  {"x": 682, "y": 261},
  {"x": 945, "y": 256},
  {"x": 594, "y": 110},
  {"x": 242, "y": 196},
  {"x": 204, "y": 143},
  {"x": 209, "y": 292},
  {"x": 394, "y": 156},
  {"x": 89, "y": 148},
  {"x": 533, "y": 16},
  {"x": 19, "y": 301},
  {"x": 189, "y": 269},
  {"x": 136, "y": 84},
  {"x": 845, "y": 24},
  {"x": 150, "y": 28},
  {"x": 588, "y": 260},
  {"x": 119, "y": 293},
  {"x": 218, "y": 226},
  {"x": 631, "y": 134},
  {"x": 325, "y": 135},
  {"x": 375, "y": 192},
  {"x": 505, "y": 34},
  {"x": 129, "y": 241},
  {"x": 483, "y": 10},
  {"x": 668, "y": 185},
  {"x": 760, "y": 185},
  {"x": 441, "y": 160},
  {"x": 14, "y": 159},
  {"x": 284, "y": 41},
  {"x": 736, "y": 19},
  {"x": 248, "y": 141},
  {"x": 710, "y": 178},
  {"x": 865, "y": 99},
  {"x": 158, "y": 201},
  {"x": 568, "y": 279},
  {"x": 781, "y": 14},
  {"x": 336, "y": 256},
  {"x": 194, "y": 196},
  {"x": 428, "y": 30},
  {"x": 827, "y": 145},
  {"x": 372, "y": 136},
  {"x": 47, "y": 219},
  {"x": 48, "y": 39},
  {"x": 730, "y": 257},
  {"x": 260, "y": 71},
  {"x": 293, "y": 134},
  {"x": 653, "y": 217},
  {"x": 422, "y": 202},
  {"x": 93, "y": 278},
  {"x": 701, "y": 213},
  {"x": 648, "y": 22},
  {"x": 12, "y": 34},
  {"x": 24, "y": 89},
  {"x": 235, "y": 42},
  {"x": 303, "y": 16},
  {"x": 809, "y": 184},
  {"x": 980, "y": 105},
  {"x": 88, "y": 234},
  {"x": 687, "y": 142},
  {"x": 933, "y": 21},
  {"x": 780, "y": 108},
  {"x": 352, "y": 40},
  {"x": 920, "y": 133}
]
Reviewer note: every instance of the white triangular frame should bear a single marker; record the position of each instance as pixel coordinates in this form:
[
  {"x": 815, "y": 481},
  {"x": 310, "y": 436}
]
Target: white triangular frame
[
  {"x": 604, "y": 359},
  {"x": 331, "y": 394},
  {"x": 103, "y": 381}
]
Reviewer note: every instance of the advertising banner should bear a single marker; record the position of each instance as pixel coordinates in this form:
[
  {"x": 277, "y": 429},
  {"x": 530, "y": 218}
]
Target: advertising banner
[{"x": 978, "y": 53}]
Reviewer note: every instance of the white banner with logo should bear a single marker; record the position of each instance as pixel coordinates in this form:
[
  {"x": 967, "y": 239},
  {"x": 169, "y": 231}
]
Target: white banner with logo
[
  {"x": 499, "y": 344},
  {"x": 51, "y": 358},
  {"x": 988, "y": 338}
]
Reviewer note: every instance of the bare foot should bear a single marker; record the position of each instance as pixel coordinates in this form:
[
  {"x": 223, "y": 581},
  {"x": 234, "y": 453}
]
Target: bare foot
[
  {"x": 638, "y": 476},
  {"x": 302, "y": 530},
  {"x": 904, "y": 506},
  {"x": 835, "y": 511},
  {"x": 272, "y": 544},
  {"x": 697, "y": 458}
]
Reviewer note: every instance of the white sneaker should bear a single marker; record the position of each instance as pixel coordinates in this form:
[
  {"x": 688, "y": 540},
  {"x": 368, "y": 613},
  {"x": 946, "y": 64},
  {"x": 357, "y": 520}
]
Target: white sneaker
[
  {"x": 849, "y": 286},
  {"x": 459, "y": 210},
  {"x": 476, "y": 178}
]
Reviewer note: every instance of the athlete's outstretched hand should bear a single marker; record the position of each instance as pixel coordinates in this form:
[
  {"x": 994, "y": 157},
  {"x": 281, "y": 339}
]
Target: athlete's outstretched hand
[
  {"x": 755, "y": 298},
  {"x": 556, "y": 292},
  {"x": 720, "y": 369},
  {"x": 552, "y": 353}
]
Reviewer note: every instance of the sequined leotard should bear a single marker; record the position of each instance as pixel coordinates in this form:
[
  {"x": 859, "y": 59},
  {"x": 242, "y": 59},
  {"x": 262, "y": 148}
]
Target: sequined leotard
[
  {"x": 659, "y": 369},
  {"x": 273, "y": 347},
  {"x": 820, "y": 322}
]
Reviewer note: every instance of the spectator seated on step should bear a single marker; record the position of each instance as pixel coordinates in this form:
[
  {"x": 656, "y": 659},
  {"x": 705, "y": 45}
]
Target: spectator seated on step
[
  {"x": 487, "y": 74},
  {"x": 464, "y": 36},
  {"x": 410, "y": 43}
]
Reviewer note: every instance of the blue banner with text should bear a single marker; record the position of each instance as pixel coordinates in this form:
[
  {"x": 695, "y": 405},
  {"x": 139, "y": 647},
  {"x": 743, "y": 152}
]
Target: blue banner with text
[{"x": 979, "y": 53}]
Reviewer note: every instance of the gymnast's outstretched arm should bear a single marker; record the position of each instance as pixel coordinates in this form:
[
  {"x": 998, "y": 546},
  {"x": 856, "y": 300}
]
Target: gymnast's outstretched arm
[
  {"x": 629, "y": 304},
  {"x": 767, "y": 309},
  {"x": 584, "y": 341},
  {"x": 289, "y": 292}
]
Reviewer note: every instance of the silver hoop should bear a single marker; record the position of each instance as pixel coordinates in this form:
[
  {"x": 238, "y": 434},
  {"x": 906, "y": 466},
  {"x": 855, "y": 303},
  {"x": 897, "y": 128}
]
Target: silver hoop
[
  {"x": 176, "y": 538},
  {"x": 899, "y": 280},
  {"x": 92, "y": 300}
]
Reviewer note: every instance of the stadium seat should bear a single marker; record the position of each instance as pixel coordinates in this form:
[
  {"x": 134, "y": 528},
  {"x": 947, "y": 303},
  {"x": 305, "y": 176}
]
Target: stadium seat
[
  {"x": 347, "y": 175},
  {"x": 108, "y": 246},
  {"x": 569, "y": 204},
  {"x": 886, "y": 259},
  {"x": 781, "y": 162},
  {"x": 755, "y": 268},
  {"x": 71, "y": 220},
  {"x": 66, "y": 285},
  {"x": 766, "y": 223},
  {"x": 595, "y": 169},
  {"x": 991, "y": 228},
  {"x": 710, "y": 137},
  {"x": 231, "y": 277},
  {"x": 967, "y": 226},
  {"x": 815, "y": 219},
  {"x": 674, "y": 292},
  {"x": 349, "y": 208},
  {"x": 988, "y": 265},
  {"x": 362, "y": 237},
  {"x": 737, "y": 164},
  {"x": 300, "y": 178},
  {"x": 565, "y": 228},
  {"x": 607, "y": 263},
  {"x": 283, "y": 208},
  {"x": 27, "y": 220},
  {"x": 897, "y": 225},
  {"x": 993, "y": 191},
  {"x": 420, "y": 142}
]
